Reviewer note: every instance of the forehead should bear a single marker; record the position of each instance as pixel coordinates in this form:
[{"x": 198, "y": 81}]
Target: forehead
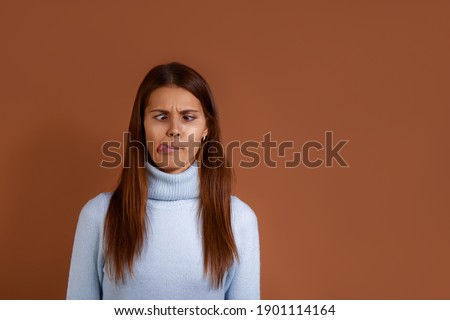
[{"x": 173, "y": 96}]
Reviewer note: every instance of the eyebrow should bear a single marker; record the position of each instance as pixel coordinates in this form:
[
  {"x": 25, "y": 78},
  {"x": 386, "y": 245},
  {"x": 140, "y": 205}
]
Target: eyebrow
[{"x": 165, "y": 111}]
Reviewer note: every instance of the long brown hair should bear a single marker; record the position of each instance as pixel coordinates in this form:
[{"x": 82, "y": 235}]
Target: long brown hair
[{"x": 126, "y": 219}]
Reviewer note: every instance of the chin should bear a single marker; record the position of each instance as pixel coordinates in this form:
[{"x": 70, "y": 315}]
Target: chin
[
  {"x": 171, "y": 165},
  {"x": 173, "y": 169}
]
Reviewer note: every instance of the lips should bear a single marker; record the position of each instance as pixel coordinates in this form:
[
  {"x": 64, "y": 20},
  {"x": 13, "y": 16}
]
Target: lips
[{"x": 165, "y": 147}]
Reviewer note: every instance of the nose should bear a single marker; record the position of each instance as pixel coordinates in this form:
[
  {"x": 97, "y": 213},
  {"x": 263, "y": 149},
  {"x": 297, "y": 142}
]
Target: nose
[
  {"x": 173, "y": 130},
  {"x": 174, "y": 133}
]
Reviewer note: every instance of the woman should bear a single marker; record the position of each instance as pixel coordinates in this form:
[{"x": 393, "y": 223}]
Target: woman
[{"x": 171, "y": 229}]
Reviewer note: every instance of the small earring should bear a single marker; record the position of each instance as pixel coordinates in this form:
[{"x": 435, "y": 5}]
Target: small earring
[{"x": 203, "y": 138}]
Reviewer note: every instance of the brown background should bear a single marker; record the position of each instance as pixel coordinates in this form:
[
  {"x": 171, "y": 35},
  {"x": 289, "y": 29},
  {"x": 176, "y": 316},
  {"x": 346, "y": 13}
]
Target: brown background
[{"x": 375, "y": 73}]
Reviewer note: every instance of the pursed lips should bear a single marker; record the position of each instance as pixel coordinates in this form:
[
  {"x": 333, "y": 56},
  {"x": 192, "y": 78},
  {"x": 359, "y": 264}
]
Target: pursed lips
[{"x": 166, "y": 146}]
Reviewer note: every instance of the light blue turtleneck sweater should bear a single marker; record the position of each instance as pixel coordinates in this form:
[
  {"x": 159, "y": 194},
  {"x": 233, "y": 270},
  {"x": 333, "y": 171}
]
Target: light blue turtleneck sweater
[{"x": 171, "y": 263}]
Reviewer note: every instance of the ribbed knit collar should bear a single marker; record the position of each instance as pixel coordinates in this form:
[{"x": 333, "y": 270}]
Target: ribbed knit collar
[{"x": 173, "y": 186}]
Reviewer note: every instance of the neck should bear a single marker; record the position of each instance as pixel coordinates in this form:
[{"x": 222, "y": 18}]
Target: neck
[{"x": 173, "y": 186}]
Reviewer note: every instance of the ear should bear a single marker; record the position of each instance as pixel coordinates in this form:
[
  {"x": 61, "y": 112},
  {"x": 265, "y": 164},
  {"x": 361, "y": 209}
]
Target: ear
[{"x": 205, "y": 132}]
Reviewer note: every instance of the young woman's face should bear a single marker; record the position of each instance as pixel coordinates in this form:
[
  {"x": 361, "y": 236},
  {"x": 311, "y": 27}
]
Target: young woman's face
[{"x": 173, "y": 117}]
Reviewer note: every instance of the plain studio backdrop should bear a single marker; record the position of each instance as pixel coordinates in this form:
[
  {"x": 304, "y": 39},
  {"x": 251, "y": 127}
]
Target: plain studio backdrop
[{"x": 375, "y": 73}]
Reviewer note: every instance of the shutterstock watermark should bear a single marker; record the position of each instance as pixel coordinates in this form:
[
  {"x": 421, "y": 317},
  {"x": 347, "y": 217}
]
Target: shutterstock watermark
[{"x": 259, "y": 152}]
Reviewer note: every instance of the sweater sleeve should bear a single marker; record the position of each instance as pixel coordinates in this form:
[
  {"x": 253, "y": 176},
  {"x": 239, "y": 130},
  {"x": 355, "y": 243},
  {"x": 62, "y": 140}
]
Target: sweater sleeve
[
  {"x": 86, "y": 266},
  {"x": 245, "y": 282}
]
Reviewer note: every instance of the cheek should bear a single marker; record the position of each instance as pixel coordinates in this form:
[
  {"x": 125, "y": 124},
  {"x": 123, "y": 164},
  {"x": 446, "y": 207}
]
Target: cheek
[
  {"x": 151, "y": 131},
  {"x": 197, "y": 130},
  {"x": 152, "y": 138}
]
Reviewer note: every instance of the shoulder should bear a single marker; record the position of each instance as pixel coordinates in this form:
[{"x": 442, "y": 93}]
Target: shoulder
[
  {"x": 245, "y": 229},
  {"x": 242, "y": 214},
  {"x": 94, "y": 210}
]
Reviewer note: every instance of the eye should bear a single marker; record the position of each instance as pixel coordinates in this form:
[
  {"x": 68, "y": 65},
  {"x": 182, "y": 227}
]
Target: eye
[
  {"x": 159, "y": 115},
  {"x": 189, "y": 118}
]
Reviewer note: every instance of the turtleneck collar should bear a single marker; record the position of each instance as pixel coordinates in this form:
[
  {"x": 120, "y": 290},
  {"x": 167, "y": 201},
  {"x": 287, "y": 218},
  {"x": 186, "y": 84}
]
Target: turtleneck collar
[{"x": 173, "y": 186}]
